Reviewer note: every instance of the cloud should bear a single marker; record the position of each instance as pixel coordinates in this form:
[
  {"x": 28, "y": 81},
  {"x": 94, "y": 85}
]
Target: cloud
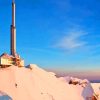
[{"x": 72, "y": 40}]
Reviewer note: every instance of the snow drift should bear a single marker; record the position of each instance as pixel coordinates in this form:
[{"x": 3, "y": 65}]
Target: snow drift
[{"x": 34, "y": 83}]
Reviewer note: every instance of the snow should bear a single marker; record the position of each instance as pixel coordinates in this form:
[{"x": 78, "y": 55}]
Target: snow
[
  {"x": 96, "y": 87},
  {"x": 34, "y": 83},
  {"x": 82, "y": 86}
]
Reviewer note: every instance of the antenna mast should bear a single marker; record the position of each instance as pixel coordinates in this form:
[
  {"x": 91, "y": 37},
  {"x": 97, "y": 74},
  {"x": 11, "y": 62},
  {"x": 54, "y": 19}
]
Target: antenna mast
[{"x": 13, "y": 31}]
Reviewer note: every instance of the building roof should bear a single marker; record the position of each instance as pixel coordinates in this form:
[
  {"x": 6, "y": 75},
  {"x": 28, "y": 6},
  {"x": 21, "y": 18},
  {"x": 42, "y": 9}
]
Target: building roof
[{"x": 6, "y": 56}]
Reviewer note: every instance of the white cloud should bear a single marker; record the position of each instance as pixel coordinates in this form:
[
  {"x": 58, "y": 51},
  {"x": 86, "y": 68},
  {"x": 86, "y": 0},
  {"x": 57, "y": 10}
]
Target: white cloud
[{"x": 72, "y": 40}]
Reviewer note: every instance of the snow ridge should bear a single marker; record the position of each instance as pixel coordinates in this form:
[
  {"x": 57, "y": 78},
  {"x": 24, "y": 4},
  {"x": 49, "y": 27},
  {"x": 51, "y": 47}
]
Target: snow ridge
[{"x": 34, "y": 83}]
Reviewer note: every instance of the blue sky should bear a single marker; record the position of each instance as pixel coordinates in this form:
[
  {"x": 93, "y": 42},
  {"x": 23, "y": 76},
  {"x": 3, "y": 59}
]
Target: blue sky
[{"x": 60, "y": 35}]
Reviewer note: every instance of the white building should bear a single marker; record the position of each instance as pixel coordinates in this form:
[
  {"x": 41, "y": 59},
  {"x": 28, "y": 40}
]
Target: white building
[{"x": 8, "y": 60}]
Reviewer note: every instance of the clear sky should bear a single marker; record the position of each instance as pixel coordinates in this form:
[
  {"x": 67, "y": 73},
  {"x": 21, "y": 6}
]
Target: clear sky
[{"x": 60, "y": 35}]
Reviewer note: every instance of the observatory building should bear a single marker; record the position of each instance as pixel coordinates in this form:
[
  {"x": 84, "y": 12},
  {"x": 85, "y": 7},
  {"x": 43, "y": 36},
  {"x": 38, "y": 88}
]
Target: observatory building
[{"x": 7, "y": 60}]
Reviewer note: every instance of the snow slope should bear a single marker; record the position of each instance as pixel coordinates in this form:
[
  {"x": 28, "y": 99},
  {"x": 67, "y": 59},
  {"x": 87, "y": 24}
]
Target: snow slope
[
  {"x": 34, "y": 83},
  {"x": 96, "y": 87}
]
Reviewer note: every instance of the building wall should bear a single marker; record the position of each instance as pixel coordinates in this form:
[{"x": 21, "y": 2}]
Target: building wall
[
  {"x": 22, "y": 63},
  {"x": 4, "y": 61}
]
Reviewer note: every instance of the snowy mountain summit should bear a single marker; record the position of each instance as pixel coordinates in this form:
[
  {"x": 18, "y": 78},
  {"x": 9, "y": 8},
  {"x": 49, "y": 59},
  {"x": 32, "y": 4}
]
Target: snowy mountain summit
[{"x": 34, "y": 83}]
